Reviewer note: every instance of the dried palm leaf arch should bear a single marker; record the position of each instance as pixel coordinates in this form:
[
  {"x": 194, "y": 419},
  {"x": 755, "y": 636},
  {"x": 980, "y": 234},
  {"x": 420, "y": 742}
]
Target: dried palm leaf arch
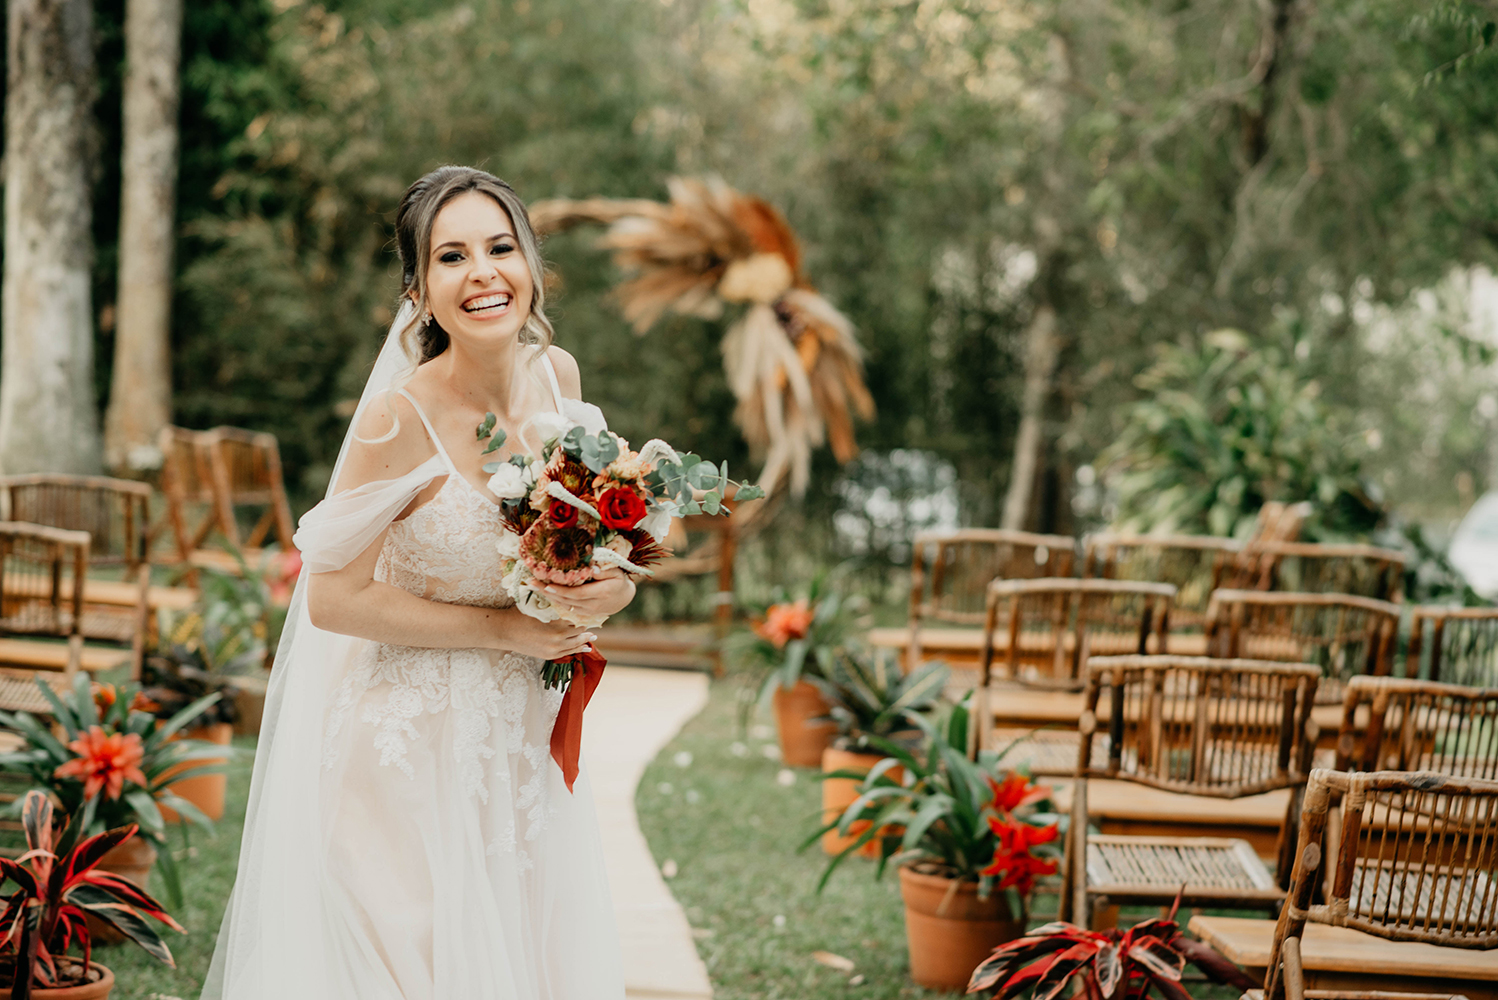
[{"x": 792, "y": 359}]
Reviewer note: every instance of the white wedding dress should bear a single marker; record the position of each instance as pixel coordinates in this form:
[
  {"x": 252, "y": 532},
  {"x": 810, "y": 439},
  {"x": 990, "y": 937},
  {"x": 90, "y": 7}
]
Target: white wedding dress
[{"x": 410, "y": 836}]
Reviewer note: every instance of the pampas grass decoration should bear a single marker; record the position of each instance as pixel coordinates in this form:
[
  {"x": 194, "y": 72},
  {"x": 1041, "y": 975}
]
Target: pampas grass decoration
[{"x": 792, "y": 359}]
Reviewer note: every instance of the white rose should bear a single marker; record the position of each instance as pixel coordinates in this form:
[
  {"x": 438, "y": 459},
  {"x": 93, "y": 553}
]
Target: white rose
[
  {"x": 532, "y": 602},
  {"x": 658, "y": 522},
  {"x": 508, "y": 483},
  {"x": 508, "y": 545}
]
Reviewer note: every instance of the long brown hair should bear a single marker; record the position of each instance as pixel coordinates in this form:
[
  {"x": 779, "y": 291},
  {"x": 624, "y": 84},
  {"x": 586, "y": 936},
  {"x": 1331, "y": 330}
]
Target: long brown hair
[{"x": 425, "y": 339}]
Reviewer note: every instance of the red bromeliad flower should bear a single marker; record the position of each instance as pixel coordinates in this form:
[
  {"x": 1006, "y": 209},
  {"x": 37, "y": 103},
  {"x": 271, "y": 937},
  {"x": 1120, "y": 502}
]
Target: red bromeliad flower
[
  {"x": 104, "y": 695},
  {"x": 1016, "y": 791},
  {"x": 784, "y": 622},
  {"x": 621, "y": 508},
  {"x": 105, "y": 762},
  {"x": 1012, "y": 857}
]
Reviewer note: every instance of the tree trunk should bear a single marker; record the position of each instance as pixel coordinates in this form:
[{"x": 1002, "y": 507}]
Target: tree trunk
[
  {"x": 48, "y": 414},
  {"x": 1042, "y": 350},
  {"x": 140, "y": 395}
]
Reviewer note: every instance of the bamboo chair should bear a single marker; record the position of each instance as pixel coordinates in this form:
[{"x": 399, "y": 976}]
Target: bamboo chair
[
  {"x": 961, "y": 564},
  {"x": 1195, "y": 726},
  {"x": 1456, "y": 645},
  {"x": 42, "y": 613},
  {"x": 115, "y": 513},
  {"x": 1436, "y": 884},
  {"x": 227, "y": 469},
  {"x": 1362, "y": 570},
  {"x": 1343, "y": 634},
  {"x": 1415, "y": 725},
  {"x": 1195, "y": 564}
]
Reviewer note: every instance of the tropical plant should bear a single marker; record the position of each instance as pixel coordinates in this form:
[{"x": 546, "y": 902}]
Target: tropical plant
[
  {"x": 972, "y": 821},
  {"x": 172, "y": 678},
  {"x": 1110, "y": 965},
  {"x": 237, "y": 620},
  {"x": 57, "y": 883},
  {"x": 791, "y": 637},
  {"x": 117, "y": 762},
  {"x": 1225, "y": 427},
  {"x": 870, "y": 696}
]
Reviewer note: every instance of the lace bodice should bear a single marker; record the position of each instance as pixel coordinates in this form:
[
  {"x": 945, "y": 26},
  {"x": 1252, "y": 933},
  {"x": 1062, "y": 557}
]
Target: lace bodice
[{"x": 445, "y": 550}]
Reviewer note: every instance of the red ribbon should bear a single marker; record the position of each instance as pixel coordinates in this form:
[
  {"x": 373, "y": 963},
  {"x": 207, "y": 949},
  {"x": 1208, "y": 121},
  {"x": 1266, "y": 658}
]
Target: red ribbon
[{"x": 567, "y": 733}]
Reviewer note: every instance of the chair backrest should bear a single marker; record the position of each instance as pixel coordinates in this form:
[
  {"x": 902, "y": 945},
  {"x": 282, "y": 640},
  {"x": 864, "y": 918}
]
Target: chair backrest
[
  {"x": 1311, "y": 568},
  {"x": 41, "y": 580},
  {"x": 1403, "y": 855},
  {"x": 246, "y": 467},
  {"x": 1457, "y": 645},
  {"x": 1056, "y": 624},
  {"x": 1191, "y": 724},
  {"x": 114, "y": 512},
  {"x": 1195, "y": 564},
  {"x": 1394, "y": 724},
  {"x": 961, "y": 564},
  {"x": 1342, "y": 634}
]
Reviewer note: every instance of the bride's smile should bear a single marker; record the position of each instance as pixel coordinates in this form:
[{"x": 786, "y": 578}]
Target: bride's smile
[{"x": 478, "y": 283}]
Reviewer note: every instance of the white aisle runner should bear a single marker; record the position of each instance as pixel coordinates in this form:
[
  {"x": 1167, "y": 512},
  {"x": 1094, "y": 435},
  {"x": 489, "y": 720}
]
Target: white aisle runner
[{"x": 634, "y": 713}]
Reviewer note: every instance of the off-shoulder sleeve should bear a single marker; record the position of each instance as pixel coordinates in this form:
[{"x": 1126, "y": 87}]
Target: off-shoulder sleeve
[{"x": 334, "y": 533}]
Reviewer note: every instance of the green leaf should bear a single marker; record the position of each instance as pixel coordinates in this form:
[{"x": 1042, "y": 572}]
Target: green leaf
[
  {"x": 608, "y": 448},
  {"x": 146, "y": 812},
  {"x": 487, "y": 427},
  {"x": 497, "y": 441},
  {"x": 712, "y": 503}
]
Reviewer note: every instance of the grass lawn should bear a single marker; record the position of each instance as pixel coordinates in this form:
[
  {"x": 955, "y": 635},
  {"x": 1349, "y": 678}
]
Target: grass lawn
[{"x": 721, "y": 813}]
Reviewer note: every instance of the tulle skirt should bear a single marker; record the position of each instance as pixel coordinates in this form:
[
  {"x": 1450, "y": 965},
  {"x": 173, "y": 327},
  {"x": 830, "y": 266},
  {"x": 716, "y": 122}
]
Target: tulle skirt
[{"x": 452, "y": 862}]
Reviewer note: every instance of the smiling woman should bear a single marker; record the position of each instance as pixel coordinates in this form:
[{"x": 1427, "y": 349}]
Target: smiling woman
[{"x": 436, "y": 850}]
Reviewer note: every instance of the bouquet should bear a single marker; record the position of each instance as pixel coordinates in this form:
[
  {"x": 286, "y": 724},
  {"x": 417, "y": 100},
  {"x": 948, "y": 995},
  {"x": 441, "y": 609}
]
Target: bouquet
[{"x": 590, "y": 506}]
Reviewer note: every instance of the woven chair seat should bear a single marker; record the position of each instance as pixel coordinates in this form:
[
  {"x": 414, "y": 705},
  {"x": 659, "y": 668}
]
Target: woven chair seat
[
  {"x": 110, "y": 624},
  {"x": 1226, "y": 870},
  {"x": 1437, "y": 898},
  {"x": 19, "y": 693},
  {"x": 1046, "y": 751}
]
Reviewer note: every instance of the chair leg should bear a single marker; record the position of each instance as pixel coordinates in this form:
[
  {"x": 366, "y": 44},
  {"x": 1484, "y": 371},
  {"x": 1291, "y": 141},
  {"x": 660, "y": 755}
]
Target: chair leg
[
  {"x": 1295, "y": 979},
  {"x": 1077, "y": 854}
]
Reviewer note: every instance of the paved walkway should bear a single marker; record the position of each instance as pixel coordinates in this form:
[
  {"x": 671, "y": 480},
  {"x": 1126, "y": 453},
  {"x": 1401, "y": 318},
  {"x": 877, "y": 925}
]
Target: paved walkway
[{"x": 633, "y": 714}]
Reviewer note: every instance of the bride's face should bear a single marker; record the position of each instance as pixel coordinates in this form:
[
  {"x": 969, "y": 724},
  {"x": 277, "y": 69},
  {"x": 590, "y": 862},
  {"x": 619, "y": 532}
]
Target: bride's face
[{"x": 479, "y": 287}]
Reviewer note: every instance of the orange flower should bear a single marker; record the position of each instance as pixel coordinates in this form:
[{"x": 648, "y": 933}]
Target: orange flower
[
  {"x": 144, "y": 704},
  {"x": 784, "y": 622},
  {"x": 104, "y": 695},
  {"x": 104, "y": 762},
  {"x": 1012, "y": 857},
  {"x": 1016, "y": 791}
]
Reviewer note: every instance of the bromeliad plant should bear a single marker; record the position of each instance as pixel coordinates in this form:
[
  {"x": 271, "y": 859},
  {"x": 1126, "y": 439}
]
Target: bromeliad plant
[
  {"x": 116, "y": 763},
  {"x": 1110, "y": 965},
  {"x": 870, "y": 697},
  {"x": 795, "y": 637},
  {"x": 56, "y": 883},
  {"x": 972, "y": 821}
]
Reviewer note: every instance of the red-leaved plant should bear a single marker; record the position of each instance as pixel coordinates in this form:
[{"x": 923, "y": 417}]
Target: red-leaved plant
[
  {"x": 57, "y": 883},
  {"x": 1111, "y": 964}
]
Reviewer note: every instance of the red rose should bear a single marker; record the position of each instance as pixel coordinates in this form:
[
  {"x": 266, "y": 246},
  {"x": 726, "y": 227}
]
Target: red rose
[
  {"x": 563, "y": 514},
  {"x": 621, "y": 509}
]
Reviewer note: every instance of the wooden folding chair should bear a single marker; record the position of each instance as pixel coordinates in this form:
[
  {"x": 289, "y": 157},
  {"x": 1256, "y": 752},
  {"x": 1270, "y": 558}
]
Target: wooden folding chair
[
  {"x": 1309, "y": 568},
  {"x": 1456, "y": 645},
  {"x": 42, "y": 614},
  {"x": 1343, "y": 634},
  {"x": 1195, "y": 564},
  {"x": 192, "y": 508},
  {"x": 1396, "y": 724},
  {"x": 115, "y": 513},
  {"x": 1222, "y": 729},
  {"x": 948, "y": 573},
  {"x": 1393, "y": 888}
]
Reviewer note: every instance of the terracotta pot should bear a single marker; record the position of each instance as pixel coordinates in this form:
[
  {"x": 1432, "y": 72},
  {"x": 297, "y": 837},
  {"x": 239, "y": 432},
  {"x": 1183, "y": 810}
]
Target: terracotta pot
[
  {"x": 950, "y": 930},
  {"x": 131, "y": 861},
  {"x": 96, "y": 990},
  {"x": 839, "y": 793},
  {"x": 802, "y": 741},
  {"x": 206, "y": 791}
]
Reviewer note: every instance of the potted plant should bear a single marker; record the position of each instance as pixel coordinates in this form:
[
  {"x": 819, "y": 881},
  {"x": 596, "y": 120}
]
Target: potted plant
[
  {"x": 57, "y": 885},
  {"x": 115, "y": 765},
  {"x": 1109, "y": 965},
  {"x": 868, "y": 697},
  {"x": 975, "y": 838},
  {"x": 789, "y": 642},
  {"x": 173, "y": 677}
]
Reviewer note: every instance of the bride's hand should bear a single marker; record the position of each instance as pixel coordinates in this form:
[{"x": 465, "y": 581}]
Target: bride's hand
[
  {"x": 610, "y": 593},
  {"x": 555, "y": 640}
]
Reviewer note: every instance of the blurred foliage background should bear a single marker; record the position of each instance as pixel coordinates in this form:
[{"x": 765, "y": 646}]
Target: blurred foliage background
[{"x": 1264, "y": 231}]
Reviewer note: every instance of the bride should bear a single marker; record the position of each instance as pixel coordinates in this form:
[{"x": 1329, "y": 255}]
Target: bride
[{"x": 409, "y": 836}]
